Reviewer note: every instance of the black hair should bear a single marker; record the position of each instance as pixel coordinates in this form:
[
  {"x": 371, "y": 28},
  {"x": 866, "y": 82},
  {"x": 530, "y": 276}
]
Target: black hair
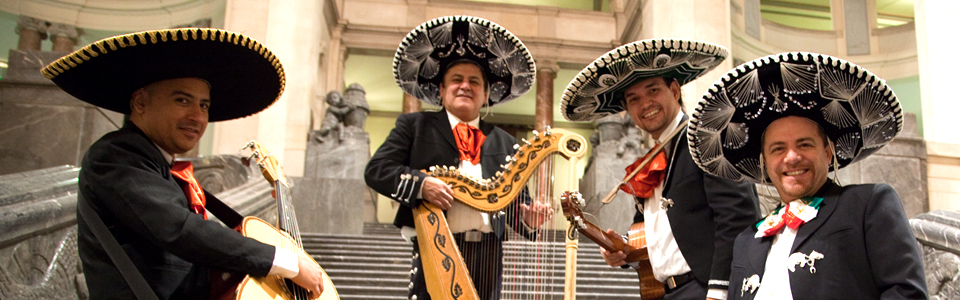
[{"x": 483, "y": 71}]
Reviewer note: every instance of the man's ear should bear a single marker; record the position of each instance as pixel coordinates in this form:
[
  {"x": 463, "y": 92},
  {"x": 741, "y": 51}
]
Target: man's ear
[
  {"x": 138, "y": 100},
  {"x": 675, "y": 88}
]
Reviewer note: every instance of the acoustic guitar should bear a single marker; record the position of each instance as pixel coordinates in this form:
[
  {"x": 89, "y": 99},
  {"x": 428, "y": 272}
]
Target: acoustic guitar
[
  {"x": 635, "y": 247},
  {"x": 286, "y": 235}
]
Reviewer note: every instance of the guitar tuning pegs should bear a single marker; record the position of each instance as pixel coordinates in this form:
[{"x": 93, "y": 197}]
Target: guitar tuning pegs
[
  {"x": 509, "y": 158},
  {"x": 535, "y": 133},
  {"x": 546, "y": 131},
  {"x": 515, "y": 146}
]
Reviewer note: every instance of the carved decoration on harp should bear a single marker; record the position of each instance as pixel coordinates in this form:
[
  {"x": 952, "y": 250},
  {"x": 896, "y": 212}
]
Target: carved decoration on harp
[
  {"x": 498, "y": 192},
  {"x": 443, "y": 267}
]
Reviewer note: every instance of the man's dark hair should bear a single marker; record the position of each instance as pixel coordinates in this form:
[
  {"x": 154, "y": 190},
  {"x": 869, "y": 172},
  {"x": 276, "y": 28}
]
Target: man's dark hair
[
  {"x": 483, "y": 72},
  {"x": 667, "y": 81},
  {"x": 822, "y": 134}
]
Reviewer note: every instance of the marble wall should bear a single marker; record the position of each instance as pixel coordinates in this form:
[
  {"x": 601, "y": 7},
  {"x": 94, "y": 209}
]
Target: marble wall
[{"x": 40, "y": 125}]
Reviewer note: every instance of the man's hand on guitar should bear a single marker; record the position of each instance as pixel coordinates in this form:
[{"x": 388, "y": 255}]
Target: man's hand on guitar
[
  {"x": 614, "y": 259},
  {"x": 309, "y": 277},
  {"x": 536, "y": 214},
  {"x": 437, "y": 192}
]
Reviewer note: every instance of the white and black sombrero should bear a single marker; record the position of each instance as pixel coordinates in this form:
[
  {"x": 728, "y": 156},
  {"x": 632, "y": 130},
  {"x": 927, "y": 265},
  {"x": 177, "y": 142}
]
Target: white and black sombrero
[
  {"x": 856, "y": 109},
  {"x": 598, "y": 90},
  {"x": 244, "y": 76},
  {"x": 426, "y": 52}
]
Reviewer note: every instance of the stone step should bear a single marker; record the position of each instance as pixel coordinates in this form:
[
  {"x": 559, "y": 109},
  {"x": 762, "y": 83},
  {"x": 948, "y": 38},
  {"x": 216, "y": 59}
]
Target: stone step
[{"x": 376, "y": 265}]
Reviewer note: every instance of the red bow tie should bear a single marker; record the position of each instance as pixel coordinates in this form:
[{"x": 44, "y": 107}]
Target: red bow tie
[
  {"x": 648, "y": 178},
  {"x": 184, "y": 171},
  {"x": 469, "y": 139}
]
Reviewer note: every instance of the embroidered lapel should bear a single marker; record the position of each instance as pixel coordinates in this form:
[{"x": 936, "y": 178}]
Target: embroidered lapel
[
  {"x": 490, "y": 162},
  {"x": 830, "y": 193},
  {"x": 757, "y": 253},
  {"x": 441, "y": 121},
  {"x": 673, "y": 146}
]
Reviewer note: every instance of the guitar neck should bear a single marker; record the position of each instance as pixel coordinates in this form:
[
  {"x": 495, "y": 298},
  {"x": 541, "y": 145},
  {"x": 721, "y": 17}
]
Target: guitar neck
[
  {"x": 611, "y": 242},
  {"x": 286, "y": 217}
]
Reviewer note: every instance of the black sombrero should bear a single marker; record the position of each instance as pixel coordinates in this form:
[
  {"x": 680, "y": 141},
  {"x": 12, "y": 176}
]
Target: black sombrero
[
  {"x": 598, "y": 90},
  {"x": 428, "y": 50},
  {"x": 856, "y": 109},
  {"x": 244, "y": 76}
]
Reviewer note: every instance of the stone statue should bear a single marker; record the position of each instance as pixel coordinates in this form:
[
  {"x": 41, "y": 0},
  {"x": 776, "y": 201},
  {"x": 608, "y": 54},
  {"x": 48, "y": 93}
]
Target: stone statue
[
  {"x": 345, "y": 112},
  {"x": 333, "y": 119},
  {"x": 355, "y": 99}
]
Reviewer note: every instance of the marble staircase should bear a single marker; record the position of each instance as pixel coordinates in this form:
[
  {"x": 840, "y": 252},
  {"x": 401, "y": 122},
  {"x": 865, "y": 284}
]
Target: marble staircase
[{"x": 376, "y": 265}]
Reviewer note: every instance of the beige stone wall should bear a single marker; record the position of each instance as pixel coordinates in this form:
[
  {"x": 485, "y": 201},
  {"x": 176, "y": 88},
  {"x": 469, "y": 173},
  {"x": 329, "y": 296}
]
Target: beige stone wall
[{"x": 943, "y": 166}]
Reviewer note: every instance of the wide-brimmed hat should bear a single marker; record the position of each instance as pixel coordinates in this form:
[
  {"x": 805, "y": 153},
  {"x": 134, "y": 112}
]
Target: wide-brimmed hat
[
  {"x": 856, "y": 109},
  {"x": 598, "y": 90},
  {"x": 427, "y": 51},
  {"x": 244, "y": 76}
]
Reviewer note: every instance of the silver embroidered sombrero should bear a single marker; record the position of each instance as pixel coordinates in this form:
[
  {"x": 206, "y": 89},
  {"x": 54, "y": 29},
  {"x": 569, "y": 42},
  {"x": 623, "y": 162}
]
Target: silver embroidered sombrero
[
  {"x": 598, "y": 90},
  {"x": 856, "y": 109},
  {"x": 244, "y": 76},
  {"x": 426, "y": 52}
]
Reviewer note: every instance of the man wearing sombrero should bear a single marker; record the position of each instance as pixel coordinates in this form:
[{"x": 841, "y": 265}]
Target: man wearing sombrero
[
  {"x": 142, "y": 217},
  {"x": 691, "y": 218},
  {"x": 462, "y": 64},
  {"x": 790, "y": 119}
]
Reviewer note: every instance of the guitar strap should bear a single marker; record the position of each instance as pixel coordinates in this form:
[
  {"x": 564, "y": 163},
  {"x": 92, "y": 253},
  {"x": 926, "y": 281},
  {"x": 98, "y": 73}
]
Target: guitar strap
[
  {"x": 129, "y": 272},
  {"x": 141, "y": 289}
]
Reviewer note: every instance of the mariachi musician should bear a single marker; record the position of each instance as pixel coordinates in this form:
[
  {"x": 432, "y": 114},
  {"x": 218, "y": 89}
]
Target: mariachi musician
[
  {"x": 462, "y": 64},
  {"x": 169, "y": 84},
  {"x": 814, "y": 114},
  {"x": 691, "y": 217}
]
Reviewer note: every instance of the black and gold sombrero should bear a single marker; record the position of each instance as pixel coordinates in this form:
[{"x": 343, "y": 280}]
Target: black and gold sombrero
[
  {"x": 598, "y": 90},
  {"x": 856, "y": 109},
  {"x": 428, "y": 50},
  {"x": 244, "y": 76}
]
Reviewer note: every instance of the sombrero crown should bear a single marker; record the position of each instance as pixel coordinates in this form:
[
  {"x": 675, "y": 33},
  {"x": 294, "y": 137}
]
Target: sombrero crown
[
  {"x": 598, "y": 90},
  {"x": 244, "y": 76},
  {"x": 856, "y": 109},
  {"x": 426, "y": 52}
]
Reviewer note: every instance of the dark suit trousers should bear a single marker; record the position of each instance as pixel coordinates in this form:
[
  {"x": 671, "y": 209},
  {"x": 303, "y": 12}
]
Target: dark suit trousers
[
  {"x": 484, "y": 259},
  {"x": 691, "y": 290}
]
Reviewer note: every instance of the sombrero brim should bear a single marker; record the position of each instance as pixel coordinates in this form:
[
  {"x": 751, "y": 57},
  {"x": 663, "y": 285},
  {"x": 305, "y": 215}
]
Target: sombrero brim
[
  {"x": 598, "y": 90},
  {"x": 244, "y": 76},
  {"x": 426, "y": 52},
  {"x": 856, "y": 109}
]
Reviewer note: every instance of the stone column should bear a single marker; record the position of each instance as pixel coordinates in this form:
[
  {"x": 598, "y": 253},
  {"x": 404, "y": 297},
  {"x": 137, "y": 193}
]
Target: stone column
[
  {"x": 751, "y": 18},
  {"x": 293, "y": 32},
  {"x": 32, "y": 32},
  {"x": 64, "y": 37},
  {"x": 936, "y": 57},
  {"x": 672, "y": 19},
  {"x": 546, "y": 73},
  {"x": 411, "y": 104},
  {"x": 853, "y": 21}
]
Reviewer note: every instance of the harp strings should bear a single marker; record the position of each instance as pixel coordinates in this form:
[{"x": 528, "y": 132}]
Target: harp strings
[{"x": 533, "y": 263}]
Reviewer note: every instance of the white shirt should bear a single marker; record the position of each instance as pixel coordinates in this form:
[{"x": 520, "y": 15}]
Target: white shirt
[
  {"x": 460, "y": 217},
  {"x": 665, "y": 256},
  {"x": 775, "y": 283},
  {"x": 286, "y": 264}
]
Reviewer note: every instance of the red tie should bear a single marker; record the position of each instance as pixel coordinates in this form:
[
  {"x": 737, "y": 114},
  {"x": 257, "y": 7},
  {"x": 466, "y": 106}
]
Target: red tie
[
  {"x": 184, "y": 171},
  {"x": 469, "y": 139},
  {"x": 648, "y": 178}
]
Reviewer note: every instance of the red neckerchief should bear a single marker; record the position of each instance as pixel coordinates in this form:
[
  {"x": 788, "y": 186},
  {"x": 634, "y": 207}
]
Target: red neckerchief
[
  {"x": 469, "y": 139},
  {"x": 648, "y": 178},
  {"x": 184, "y": 171}
]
